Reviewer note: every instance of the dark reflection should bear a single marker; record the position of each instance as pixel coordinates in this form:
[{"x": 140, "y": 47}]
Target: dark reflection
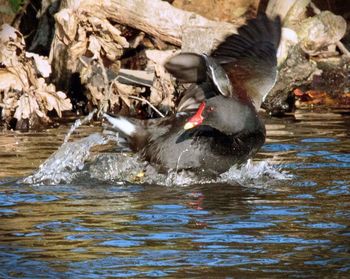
[{"x": 220, "y": 198}]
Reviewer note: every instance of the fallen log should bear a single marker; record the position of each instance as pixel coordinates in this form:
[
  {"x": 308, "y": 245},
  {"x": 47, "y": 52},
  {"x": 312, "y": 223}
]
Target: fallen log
[
  {"x": 160, "y": 19},
  {"x": 154, "y": 17}
]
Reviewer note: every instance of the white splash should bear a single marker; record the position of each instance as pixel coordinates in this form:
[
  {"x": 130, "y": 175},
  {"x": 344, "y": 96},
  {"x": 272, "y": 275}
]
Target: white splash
[
  {"x": 77, "y": 124},
  {"x": 62, "y": 165},
  {"x": 249, "y": 174},
  {"x": 253, "y": 171}
]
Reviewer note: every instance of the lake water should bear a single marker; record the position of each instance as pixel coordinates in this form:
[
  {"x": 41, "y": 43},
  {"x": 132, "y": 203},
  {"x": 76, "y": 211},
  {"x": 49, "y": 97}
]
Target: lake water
[{"x": 286, "y": 214}]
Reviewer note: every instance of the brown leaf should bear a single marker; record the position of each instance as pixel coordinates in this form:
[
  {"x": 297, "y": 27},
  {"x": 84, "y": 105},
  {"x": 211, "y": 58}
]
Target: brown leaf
[
  {"x": 66, "y": 25},
  {"x": 41, "y": 63},
  {"x": 9, "y": 81}
]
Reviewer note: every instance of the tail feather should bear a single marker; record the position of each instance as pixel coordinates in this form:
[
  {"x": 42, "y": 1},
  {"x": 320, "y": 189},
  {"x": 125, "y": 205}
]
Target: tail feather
[
  {"x": 122, "y": 124},
  {"x": 132, "y": 133}
]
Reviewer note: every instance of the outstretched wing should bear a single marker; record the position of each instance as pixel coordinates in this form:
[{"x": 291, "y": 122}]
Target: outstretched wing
[
  {"x": 187, "y": 67},
  {"x": 243, "y": 66},
  {"x": 249, "y": 57},
  {"x": 199, "y": 68},
  {"x": 258, "y": 38}
]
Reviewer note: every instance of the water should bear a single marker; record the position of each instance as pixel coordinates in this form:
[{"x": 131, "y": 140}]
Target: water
[{"x": 286, "y": 214}]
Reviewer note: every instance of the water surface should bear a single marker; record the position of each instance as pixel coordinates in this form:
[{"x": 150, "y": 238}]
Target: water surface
[{"x": 264, "y": 224}]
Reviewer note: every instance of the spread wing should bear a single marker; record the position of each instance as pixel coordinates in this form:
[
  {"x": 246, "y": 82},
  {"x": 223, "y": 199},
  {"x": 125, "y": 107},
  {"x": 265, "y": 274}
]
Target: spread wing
[
  {"x": 249, "y": 57},
  {"x": 244, "y": 65}
]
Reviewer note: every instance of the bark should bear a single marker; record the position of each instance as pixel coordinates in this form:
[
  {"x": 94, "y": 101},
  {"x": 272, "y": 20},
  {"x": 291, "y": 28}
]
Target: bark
[
  {"x": 295, "y": 71},
  {"x": 290, "y": 11}
]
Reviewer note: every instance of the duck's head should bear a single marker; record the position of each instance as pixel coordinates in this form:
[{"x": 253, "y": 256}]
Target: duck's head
[{"x": 227, "y": 115}]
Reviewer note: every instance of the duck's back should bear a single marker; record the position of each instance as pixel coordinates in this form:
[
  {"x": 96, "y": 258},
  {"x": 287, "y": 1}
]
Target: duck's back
[{"x": 203, "y": 148}]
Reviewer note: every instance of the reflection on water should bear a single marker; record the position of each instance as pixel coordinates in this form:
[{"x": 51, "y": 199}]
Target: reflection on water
[{"x": 265, "y": 226}]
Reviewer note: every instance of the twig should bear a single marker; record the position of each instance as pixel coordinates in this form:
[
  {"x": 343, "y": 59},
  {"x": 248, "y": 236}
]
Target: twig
[
  {"x": 342, "y": 48},
  {"x": 114, "y": 81},
  {"x": 148, "y": 103},
  {"x": 134, "y": 81},
  {"x": 339, "y": 44},
  {"x": 315, "y": 8},
  {"x": 83, "y": 62}
]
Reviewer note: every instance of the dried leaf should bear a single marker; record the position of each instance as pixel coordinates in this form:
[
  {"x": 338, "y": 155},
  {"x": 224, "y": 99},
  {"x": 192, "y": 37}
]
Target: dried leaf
[
  {"x": 94, "y": 46},
  {"x": 9, "y": 81},
  {"x": 8, "y": 33},
  {"x": 124, "y": 91},
  {"x": 11, "y": 45},
  {"x": 23, "y": 109},
  {"x": 41, "y": 63},
  {"x": 95, "y": 93},
  {"x": 67, "y": 25},
  {"x": 163, "y": 89},
  {"x": 52, "y": 99},
  {"x": 33, "y": 96}
]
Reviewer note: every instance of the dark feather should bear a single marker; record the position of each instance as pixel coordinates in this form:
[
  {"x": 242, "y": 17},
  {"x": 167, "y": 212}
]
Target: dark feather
[
  {"x": 187, "y": 67},
  {"x": 258, "y": 39}
]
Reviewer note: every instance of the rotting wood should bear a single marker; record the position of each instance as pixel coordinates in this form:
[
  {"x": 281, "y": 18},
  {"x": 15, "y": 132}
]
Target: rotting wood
[{"x": 138, "y": 77}]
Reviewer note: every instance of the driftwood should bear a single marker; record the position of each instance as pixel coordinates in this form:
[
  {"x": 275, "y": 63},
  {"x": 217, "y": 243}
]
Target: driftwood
[
  {"x": 278, "y": 102},
  {"x": 235, "y": 11},
  {"x": 290, "y": 11},
  {"x": 154, "y": 17},
  {"x": 302, "y": 37},
  {"x": 339, "y": 32},
  {"x": 160, "y": 19},
  {"x": 88, "y": 42},
  {"x": 192, "y": 32}
]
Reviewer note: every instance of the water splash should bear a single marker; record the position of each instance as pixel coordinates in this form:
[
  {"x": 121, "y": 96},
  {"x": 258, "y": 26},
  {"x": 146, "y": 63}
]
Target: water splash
[
  {"x": 115, "y": 167},
  {"x": 252, "y": 171},
  {"x": 174, "y": 178},
  {"x": 62, "y": 165},
  {"x": 77, "y": 124},
  {"x": 249, "y": 174},
  {"x": 69, "y": 163}
]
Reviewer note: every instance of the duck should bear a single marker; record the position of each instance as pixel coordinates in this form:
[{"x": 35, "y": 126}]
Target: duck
[{"x": 217, "y": 124}]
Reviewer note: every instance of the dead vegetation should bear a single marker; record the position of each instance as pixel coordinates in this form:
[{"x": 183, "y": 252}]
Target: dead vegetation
[
  {"x": 110, "y": 55},
  {"x": 25, "y": 95}
]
